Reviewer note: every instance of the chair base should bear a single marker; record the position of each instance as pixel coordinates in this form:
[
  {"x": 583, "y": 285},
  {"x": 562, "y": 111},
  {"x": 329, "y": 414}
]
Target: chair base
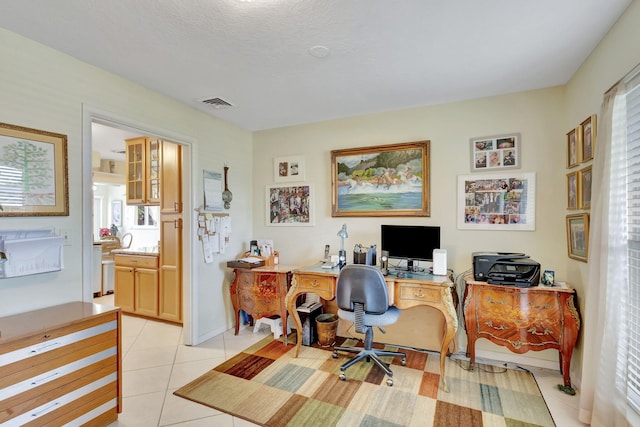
[{"x": 370, "y": 354}]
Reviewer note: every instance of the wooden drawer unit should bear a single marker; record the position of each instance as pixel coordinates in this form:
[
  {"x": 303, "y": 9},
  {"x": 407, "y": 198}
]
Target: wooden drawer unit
[
  {"x": 61, "y": 365},
  {"x": 523, "y": 319},
  {"x": 136, "y": 261},
  {"x": 260, "y": 292},
  {"x": 137, "y": 284},
  {"x": 519, "y": 318}
]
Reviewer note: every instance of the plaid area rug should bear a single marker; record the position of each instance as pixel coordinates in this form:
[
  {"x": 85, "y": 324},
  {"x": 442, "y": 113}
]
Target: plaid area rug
[{"x": 266, "y": 385}]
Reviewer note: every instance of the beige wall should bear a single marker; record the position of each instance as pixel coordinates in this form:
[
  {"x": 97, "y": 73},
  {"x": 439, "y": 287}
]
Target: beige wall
[{"x": 45, "y": 89}]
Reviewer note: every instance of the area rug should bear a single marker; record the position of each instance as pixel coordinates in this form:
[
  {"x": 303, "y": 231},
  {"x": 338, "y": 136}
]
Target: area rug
[{"x": 266, "y": 385}]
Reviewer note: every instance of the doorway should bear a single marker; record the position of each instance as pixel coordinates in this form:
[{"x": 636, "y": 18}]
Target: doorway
[{"x": 126, "y": 127}]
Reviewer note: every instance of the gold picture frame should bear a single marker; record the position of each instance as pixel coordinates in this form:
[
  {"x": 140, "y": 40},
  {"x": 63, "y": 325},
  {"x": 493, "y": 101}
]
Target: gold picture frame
[
  {"x": 386, "y": 180},
  {"x": 578, "y": 236},
  {"x": 585, "y": 180},
  {"x": 573, "y": 149},
  {"x": 573, "y": 190},
  {"x": 42, "y": 188},
  {"x": 587, "y": 138}
]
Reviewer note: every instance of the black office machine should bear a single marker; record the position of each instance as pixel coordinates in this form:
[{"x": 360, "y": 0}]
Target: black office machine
[{"x": 510, "y": 269}]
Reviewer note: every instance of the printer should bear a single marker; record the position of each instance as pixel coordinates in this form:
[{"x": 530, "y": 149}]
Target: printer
[{"x": 503, "y": 268}]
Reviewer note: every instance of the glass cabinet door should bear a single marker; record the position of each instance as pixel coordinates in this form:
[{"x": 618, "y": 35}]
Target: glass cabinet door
[
  {"x": 153, "y": 178},
  {"x": 136, "y": 171}
]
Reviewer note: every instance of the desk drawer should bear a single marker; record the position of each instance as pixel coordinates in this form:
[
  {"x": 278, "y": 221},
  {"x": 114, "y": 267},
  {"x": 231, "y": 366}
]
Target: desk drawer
[
  {"x": 136, "y": 261},
  {"x": 407, "y": 292},
  {"x": 313, "y": 283}
]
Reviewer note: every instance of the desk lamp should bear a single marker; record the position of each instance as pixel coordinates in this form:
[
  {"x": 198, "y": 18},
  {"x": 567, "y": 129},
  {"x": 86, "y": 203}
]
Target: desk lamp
[{"x": 342, "y": 255}]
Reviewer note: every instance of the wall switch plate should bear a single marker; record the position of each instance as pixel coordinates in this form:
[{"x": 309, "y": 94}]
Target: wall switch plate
[{"x": 67, "y": 236}]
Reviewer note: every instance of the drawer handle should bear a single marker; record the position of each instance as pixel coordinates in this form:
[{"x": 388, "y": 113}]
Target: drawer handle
[
  {"x": 499, "y": 328},
  {"x": 418, "y": 294},
  {"x": 45, "y": 409},
  {"x": 44, "y": 380},
  {"x": 44, "y": 347},
  {"x": 315, "y": 283},
  {"x": 546, "y": 306},
  {"x": 534, "y": 331}
]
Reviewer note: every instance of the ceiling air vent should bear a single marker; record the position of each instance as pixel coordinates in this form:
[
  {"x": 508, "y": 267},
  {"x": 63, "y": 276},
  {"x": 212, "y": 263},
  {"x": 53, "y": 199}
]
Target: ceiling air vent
[{"x": 216, "y": 102}]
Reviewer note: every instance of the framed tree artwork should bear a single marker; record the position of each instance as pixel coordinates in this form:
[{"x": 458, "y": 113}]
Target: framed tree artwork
[{"x": 33, "y": 172}]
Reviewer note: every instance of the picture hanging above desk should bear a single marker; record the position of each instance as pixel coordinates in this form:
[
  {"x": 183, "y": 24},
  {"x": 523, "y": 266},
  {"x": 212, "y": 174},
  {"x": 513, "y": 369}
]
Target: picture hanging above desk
[
  {"x": 501, "y": 201},
  {"x": 386, "y": 180}
]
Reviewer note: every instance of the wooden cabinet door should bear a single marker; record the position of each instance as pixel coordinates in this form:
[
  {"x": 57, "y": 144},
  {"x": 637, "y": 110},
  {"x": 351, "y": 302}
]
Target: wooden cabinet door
[
  {"x": 153, "y": 176},
  {"x": 171, "y": 183},
  {"x": 124, "y": 288},
  {"x": 146, "y": 291},
  {"x": 171, "y": 268},
  {"x": 136, "y": 171}
]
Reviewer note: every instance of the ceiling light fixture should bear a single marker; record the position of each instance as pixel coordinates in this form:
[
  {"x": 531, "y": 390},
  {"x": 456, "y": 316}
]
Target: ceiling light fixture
[{"x": 319, "y": 51}]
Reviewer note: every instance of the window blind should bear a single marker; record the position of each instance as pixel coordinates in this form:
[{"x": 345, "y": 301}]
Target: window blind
[{"x": 633, "y": 238}]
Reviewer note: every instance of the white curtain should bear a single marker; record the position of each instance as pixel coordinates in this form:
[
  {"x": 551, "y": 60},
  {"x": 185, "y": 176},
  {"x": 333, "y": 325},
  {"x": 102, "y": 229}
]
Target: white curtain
[{"x": 603, "y": 400}]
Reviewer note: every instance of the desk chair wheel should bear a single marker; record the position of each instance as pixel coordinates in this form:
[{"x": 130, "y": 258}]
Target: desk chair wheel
[
  {"x": 343, "y": 377},
  {"x": 335, "y": 354},
  {"x": 390, "y": 382},
  {"x": 403, "y": 362}
]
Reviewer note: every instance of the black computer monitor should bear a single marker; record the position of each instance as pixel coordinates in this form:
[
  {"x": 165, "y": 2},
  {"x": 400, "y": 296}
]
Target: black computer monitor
[{"x": 410, "y": 242}]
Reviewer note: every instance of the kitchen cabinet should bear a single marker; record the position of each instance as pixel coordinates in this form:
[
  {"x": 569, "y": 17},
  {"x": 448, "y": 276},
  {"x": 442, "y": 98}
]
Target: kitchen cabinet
[
  {"x": 61, "y": 365},
  {"x": 143, "y": 171},
  {"x": 171, "y": 184},
  {"x": 137, "y": 284},
  {"x": 171, "y": 225}
]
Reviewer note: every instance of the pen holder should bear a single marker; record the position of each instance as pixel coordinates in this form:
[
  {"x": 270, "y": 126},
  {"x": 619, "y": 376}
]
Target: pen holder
[{"x": 359, "y": 258}]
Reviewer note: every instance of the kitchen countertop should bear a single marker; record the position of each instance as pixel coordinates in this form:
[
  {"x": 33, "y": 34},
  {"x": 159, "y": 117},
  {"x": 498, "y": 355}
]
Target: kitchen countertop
[{"x": 140, "y": 251}]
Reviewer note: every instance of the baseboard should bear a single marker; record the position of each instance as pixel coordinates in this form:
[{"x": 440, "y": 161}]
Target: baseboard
[{"x": 509, "y": 360}]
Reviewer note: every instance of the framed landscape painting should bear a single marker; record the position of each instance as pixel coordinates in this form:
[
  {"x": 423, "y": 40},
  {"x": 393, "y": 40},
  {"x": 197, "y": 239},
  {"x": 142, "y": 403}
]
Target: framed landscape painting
[{"x": 386, "y": 180}]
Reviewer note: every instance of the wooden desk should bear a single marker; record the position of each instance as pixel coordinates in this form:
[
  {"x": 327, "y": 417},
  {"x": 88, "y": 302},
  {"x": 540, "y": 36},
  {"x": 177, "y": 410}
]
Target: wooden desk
[
  {"x": 406, "y": 292},
  {"x": 523, "y": 319},
  {"x": 260, "y": 292}
]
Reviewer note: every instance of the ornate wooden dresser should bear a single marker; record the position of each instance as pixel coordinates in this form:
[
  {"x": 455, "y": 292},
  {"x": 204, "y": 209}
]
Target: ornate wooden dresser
[{"x": 523, "y": 319}]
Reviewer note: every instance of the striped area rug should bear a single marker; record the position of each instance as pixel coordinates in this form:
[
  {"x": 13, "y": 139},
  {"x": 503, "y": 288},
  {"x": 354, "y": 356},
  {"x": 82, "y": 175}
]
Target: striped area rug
[{"x": 266, "y": 385}]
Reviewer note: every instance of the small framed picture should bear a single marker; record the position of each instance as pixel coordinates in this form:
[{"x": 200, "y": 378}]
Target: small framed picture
[
  {"x": 289, "y": 205},
  {"x": 288, "y": 169},
  {"x": 548, "y": 277},
  {"x": 587, "y": 138},
  {"x": 573, "y": 190},
  {"x": 495, "y": 152},
  {"x": 573, "y": 149},
  {"x": 584, "y": 184},
  {"x": 578, "y": 236}
]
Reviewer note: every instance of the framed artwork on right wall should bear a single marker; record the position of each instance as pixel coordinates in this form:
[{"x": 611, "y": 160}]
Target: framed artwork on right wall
[{"x": 578, "y": 236}]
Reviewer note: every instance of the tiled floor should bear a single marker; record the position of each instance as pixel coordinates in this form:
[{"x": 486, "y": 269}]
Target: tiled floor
[{"x": 155, "y": 364}]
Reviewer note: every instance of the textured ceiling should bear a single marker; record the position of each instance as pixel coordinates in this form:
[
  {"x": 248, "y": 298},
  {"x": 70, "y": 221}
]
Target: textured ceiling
[{"x": 380, "y": 55}]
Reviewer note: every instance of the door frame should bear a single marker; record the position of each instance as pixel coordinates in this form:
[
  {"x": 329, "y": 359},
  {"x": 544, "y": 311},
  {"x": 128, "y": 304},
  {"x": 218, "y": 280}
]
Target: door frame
[{"x": 189, "y": 153}]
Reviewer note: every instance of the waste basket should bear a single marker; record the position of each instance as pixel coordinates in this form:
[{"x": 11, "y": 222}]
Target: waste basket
[{"x": 327, "y": 325}]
